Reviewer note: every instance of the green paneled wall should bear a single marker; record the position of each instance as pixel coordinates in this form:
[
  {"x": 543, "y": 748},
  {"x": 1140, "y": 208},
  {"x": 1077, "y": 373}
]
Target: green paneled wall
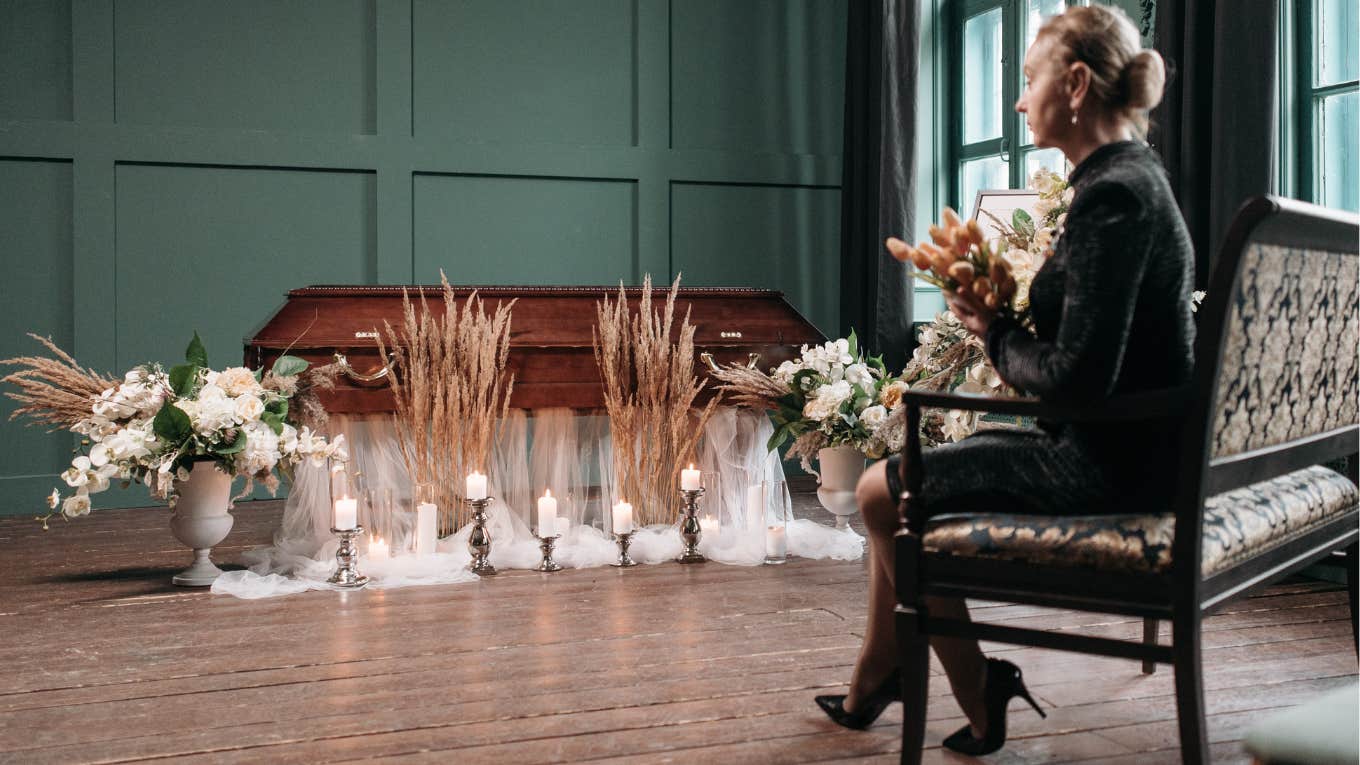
[{"x": 169, "y": 165}]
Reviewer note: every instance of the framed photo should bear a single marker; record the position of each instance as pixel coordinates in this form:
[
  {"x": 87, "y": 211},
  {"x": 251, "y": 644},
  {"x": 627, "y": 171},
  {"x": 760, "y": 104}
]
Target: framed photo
[{"x": 1002, "y": 203}]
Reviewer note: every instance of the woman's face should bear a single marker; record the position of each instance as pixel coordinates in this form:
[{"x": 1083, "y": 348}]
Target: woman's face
[{"x": 1045, "y": 100}]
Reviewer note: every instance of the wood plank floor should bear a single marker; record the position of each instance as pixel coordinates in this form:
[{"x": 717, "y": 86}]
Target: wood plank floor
[{"x": 105, "y": 661}]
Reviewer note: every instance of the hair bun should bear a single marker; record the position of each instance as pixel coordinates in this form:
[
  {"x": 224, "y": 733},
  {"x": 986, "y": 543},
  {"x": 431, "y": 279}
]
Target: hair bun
[{"x": 1144, "y": 77}]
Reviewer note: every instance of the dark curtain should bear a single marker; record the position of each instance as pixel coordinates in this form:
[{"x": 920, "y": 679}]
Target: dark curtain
[
  {"x": 877, "y": 194},
  {"x": 1215, "y": 128}
]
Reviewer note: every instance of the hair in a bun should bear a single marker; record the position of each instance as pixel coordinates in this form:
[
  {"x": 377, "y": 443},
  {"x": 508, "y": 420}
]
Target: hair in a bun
[{"x": 1125, "y": 79}]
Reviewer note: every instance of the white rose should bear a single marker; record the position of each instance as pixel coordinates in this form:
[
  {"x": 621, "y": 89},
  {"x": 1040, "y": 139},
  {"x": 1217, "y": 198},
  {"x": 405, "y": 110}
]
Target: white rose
[
  {"x": 858, "y": 374},
  {"x": 76, "y": 506},
  {"x": 249, "y": 407},
  {"x": 237, "y": 381},
  {"x": 1067, "y": 195},
  {"x": 873, "y": 416}
]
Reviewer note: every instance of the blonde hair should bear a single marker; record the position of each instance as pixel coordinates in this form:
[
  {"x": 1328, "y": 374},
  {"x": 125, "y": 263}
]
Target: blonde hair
[{"x": 1126, "y": 79}]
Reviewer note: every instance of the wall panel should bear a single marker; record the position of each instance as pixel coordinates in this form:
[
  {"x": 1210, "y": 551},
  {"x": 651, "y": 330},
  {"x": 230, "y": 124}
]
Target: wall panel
[
  {"x": 35, "y": 55},
  {"x": 497, "y": 230}
]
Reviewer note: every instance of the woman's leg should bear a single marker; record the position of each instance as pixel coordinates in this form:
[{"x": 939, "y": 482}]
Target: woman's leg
[{"x": 963, "y": 661}]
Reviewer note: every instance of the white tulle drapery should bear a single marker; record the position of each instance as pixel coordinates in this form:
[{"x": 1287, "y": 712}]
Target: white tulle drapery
[{"x": 555, "y": 449}]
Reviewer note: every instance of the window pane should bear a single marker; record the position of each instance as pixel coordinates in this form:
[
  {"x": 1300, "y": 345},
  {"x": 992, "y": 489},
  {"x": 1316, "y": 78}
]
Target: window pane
[
  {"x": 1338, "y": 126},
  {"x": 978, "y": 174},
  {"x": 1039, "y": 10},
  {"x": 982, "y": 77},
  {"x": 1335, "y": 33},
  {"x": 1051, "y": 159}
]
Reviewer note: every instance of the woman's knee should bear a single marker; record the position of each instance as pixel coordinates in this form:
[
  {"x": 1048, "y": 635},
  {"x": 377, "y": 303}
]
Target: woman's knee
[{"x": 877, "y": 507}]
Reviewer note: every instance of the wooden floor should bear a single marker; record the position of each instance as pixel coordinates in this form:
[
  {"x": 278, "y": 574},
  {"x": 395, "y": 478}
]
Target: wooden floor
[{"x": 105, "y": 661}]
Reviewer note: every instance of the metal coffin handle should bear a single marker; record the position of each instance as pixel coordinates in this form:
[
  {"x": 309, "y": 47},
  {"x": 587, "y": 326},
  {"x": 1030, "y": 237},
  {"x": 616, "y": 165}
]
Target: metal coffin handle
[
  {"x": 751, "y": 360},
  {"x": 368, "y": 379}
]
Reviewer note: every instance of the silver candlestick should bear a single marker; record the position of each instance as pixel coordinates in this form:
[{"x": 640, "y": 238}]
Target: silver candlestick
[
  {"x": 546, "y": 545},
  {"x": 624, "y": 561},
  {"x": 347, "y": 573},
  {"x": 479, "y": 541},
  {"x": 690, "y": 530}
]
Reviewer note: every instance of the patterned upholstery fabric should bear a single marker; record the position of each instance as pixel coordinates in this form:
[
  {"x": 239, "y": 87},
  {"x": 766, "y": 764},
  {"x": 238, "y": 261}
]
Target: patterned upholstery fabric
[
  {"x": 1290, "y": 367},
  {"x": 1237, "y": 525}
]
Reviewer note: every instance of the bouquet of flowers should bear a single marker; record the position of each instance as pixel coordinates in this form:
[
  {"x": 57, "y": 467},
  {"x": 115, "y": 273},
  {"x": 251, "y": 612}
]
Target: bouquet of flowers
[
  {"x": 832, "y": 395},
  {"x": 151, "y": 426}
]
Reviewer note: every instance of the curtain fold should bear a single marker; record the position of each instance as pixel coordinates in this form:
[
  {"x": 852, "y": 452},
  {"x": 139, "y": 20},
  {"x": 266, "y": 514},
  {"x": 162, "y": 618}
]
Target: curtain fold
[
  {"x": 879, "y": 168},
  {"x": 1215, "y": 128}
]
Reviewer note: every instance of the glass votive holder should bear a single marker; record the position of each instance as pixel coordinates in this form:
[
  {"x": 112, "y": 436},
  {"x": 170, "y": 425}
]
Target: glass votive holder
[
  {"x": 378, "y": 516},
  {"x": 778, "y": 511},
  {"x": 709, "y": 507},
  {"x": 426, "y": 533}
]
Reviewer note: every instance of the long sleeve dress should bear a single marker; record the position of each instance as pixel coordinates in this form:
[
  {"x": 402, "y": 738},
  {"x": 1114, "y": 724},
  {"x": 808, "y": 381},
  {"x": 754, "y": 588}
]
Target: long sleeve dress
[{"x": 1112, "y": 314}]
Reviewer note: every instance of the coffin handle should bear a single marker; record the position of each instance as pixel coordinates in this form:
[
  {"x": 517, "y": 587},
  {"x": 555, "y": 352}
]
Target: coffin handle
[
  {"x": 707, "y": 358},
  {"x": 368, "y": 379},
  {"x": 752, "y": 360}
]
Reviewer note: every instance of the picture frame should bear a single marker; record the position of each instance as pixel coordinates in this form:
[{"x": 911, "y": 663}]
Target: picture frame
[{"x": 1001, "y": 203}]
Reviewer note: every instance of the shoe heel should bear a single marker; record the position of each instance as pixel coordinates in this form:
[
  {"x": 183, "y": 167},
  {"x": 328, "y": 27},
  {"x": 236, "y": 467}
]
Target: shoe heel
[{"x": 1023, "y": 693}]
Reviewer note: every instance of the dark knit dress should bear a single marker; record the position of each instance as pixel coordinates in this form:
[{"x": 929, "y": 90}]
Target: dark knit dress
[{"x": 1112, "y": 313}]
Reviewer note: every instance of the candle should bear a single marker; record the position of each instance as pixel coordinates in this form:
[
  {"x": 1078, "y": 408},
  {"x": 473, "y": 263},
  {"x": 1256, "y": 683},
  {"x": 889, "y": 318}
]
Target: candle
[
  {"x": 346, "y": 513},
  {"x": 476, "y": 486},
  {"x": 689, "y": 479},
  {"x": 426, "y": 532},
  {"x": 776, "y": 544},
  {"x": 377, "y": 549},
  {"x": 623, "y": 518},
  {"x": 547, "y": 514},
  {"x": 755, "y": 506}
]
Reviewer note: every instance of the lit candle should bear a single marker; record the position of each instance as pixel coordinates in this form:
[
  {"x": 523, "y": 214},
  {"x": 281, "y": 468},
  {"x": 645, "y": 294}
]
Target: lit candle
[
  {"x": 476, "y": 486},
  {"x": 427, "y": 534},
  {"x": 623, "y": 518},
  {"x": 547, "y": 514},
  {"x": 776, "y": 543},
  {"x": 689, "y": 479},
  {"x": 346, "y": 513},
  {"x": 755, "y": 506},
  {"x": 377, "y": 549}
]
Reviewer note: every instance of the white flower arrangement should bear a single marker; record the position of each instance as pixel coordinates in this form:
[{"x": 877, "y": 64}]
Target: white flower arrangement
[{"x": 153, "y": 425}]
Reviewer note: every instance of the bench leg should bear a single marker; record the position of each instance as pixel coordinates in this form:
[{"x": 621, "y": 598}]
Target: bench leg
[
  {"x": 914, "y": 648},
  {"x": 1149, "y": 638},
  {"x": 1189, "y": 688},
  {"x": 1352, "y": 559}
]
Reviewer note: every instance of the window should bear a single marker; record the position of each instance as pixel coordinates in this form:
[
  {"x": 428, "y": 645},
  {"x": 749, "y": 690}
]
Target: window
[
  {"x": 1321, "y": 102},
  {"x": 990, "y": 146}
]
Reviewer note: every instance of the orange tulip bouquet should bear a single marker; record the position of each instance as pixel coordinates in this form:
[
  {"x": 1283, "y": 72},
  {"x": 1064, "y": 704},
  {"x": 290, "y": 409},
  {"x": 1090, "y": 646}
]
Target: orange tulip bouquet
[{"x": 959, "y": 259}]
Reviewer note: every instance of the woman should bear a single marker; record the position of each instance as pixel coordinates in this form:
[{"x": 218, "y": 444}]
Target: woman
[{"x": 1111, "y": 309}]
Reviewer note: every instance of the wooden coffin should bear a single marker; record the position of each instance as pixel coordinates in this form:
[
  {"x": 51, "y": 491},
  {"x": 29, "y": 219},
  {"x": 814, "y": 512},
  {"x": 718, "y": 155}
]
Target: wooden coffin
[{"x": 550, "y": 336}]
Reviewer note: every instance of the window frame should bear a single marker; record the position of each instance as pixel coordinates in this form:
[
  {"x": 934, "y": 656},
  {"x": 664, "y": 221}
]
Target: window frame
[{"x": 1300, "y": 101}]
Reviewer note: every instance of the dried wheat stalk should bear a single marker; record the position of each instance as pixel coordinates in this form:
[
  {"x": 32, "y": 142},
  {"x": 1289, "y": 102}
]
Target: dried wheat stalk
[
  {"x": 451, "y": 389},
  {"x": 649, "y": 392},
  {"x": 749, "y": 387},
  {"x": 53, "y": 391}
]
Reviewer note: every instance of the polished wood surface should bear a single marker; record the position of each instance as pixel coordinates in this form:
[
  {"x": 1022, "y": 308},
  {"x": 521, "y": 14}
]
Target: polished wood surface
[
  {"x": 105, "y": 661},
  {"x": 551, "y": 351}
]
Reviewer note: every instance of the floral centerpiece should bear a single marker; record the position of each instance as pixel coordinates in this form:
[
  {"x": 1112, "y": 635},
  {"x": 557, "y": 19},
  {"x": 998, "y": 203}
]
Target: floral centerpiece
[
  {"x": 948, "y": 357},
  {"x": 151, "y": 426},
  {"x": 831, "y": 395}
]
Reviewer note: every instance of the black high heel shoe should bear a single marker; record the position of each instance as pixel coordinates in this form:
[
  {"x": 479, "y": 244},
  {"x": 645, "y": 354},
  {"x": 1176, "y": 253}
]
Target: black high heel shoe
[
  {"x": 870, "y": 707},
  {"x": 1004, "y": 682}
]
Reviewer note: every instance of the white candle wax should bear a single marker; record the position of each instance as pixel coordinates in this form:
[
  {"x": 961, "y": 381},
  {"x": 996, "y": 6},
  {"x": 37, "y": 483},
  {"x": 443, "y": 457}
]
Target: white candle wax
[
  {"x": 427, "y": 532},
  {"x": 346, "y": 513},
  {"x": 755, "y": 506},
  {"x": 776, "y": 543},
  {"x": 623, "y": 518},
  {"x": 476, "y": 486},
  {"x": 689, "y": 479},
  {"x": 547, "y": 514},
  {"x": 378, "y": 549}
]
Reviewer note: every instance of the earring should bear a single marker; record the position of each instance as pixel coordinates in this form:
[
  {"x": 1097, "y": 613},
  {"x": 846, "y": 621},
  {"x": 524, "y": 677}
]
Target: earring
[{"x": 1074, "y": 116}]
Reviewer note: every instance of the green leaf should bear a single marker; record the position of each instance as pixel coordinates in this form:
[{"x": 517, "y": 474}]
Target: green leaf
[
  {"x": 274, "y": 421},
  {"x": 1022, "y": 223},
  {"x": 277, "y": 406},
  {"x": 171, "y": 424},
  {"x": 196, "y": 354},
  {"x": 854, "y": 345},
  {"x": 236, "y": 446},
  {"x": 287, "y": 366},
  {"x": 778, "y": 438},
  {"x": 183, "y": 378}
]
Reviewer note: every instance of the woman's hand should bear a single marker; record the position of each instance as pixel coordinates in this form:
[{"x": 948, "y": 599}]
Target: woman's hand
[{"x": 975, "y": 316}]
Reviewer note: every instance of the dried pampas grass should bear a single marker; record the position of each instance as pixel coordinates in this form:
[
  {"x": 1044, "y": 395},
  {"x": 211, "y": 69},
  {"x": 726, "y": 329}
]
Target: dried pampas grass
[
  {"x": 649, "y": 393},
  {"x": 57, "y": 392},
  {"x": 451, "y": 388}
]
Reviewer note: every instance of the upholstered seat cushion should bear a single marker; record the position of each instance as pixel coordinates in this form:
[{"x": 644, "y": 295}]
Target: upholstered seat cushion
[{"x": 1237, "y": 525}]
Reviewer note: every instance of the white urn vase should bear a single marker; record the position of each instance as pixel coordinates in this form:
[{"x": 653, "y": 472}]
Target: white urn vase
[
  {"x": 839, "y": 469},
  {"x": 200, "y": 520}
]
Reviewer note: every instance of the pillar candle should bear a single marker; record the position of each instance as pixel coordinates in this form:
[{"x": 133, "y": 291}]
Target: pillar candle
[
  {"x": 776, "y": 542},
  {"x": 547, "y": 514},
  {"x": 476, "y": 486},
  {"x": 755, "y": 506},
  {"x": 689, "y": 479},
  {"x": 346, "y": 513},
  {"x": 623, "y": 518},
  {"x": 377, "y": 549},
  {"x": 427, "y": 533}
]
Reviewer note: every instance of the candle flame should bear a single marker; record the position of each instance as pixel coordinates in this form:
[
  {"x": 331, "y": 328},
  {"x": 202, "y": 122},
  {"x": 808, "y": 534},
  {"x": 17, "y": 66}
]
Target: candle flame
[{"x": 547, "y": 492}]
